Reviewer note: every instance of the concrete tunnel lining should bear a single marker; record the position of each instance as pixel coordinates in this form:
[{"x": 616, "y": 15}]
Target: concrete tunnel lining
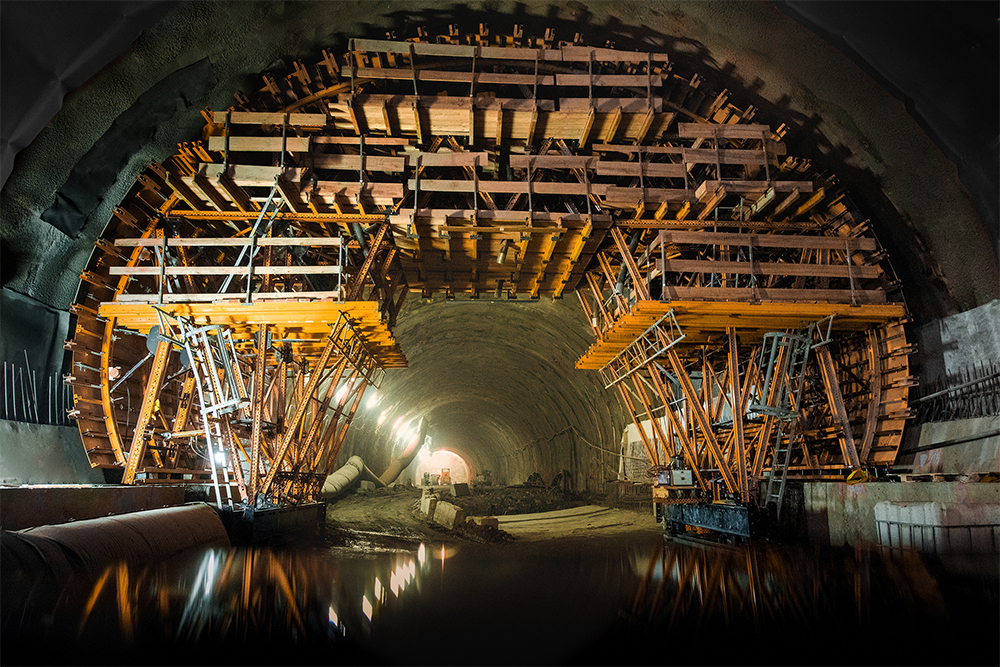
[
  {"x": 449, "y": 349},
  {"x": 493, "y": 379}
]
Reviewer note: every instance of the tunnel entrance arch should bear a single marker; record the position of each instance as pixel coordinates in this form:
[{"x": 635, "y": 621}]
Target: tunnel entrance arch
[{"x": 277, "y": 251}]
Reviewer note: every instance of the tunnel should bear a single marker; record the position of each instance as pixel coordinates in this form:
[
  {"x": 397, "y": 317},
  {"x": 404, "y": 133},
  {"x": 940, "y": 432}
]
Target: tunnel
[{"x": 890, "y": 109}]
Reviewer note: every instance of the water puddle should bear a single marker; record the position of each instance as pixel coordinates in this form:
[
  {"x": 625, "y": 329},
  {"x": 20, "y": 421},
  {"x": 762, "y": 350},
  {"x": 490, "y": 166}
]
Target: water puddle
[{"x": 371, "y": 598}]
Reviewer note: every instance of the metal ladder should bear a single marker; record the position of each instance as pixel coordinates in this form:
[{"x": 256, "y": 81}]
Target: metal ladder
[
  {"x": 790, "y": 374},
  {"x": 221, "y": 391}
]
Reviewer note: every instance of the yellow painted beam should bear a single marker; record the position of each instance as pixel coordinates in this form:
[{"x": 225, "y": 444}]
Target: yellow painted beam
[{"x": 700, "y": 319}]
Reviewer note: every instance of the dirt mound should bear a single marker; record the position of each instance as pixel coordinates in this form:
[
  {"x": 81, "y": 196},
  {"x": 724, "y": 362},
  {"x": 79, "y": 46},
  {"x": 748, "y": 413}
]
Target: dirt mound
[{"x": 500, "y": 501}]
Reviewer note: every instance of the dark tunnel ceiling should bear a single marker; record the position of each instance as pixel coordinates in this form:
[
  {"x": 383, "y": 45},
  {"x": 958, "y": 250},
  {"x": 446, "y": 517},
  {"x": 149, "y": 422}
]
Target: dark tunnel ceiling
[{"x": 495, "y": 379}]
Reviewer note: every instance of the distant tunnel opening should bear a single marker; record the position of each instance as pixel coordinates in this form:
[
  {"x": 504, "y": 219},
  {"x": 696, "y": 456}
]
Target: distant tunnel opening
[{"x": 436, "y": 462}]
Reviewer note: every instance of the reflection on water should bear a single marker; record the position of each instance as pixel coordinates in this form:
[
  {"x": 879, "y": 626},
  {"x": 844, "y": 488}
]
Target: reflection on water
[{"x": 654, "y": 601}]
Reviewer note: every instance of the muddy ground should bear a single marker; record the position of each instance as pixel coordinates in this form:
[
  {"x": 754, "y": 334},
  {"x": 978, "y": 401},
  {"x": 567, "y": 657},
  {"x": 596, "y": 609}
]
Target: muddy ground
[{"x": 390, "y": 518}]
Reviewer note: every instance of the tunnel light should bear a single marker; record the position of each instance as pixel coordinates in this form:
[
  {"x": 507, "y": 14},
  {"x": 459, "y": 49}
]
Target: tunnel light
[
  {"x": 394, "y": 583},
  {"x": 333, "y": 617},
  {"x": 422, "y": 553},
  {"x": 366, "y": 607},
  {"x": 381, "y": 417},
  {"x": 378, "y": 589},
  {"x": 340, "y": 393},
  {"x": 220, "y": 458},
  {"x": 396, "y": 425},
  {"x": 372, "y": 400}
]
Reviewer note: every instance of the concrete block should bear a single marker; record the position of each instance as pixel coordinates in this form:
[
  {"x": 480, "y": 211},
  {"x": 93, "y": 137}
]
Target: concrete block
[
  {"x": 448, "y": 515},
  {"x": 427, "y": 505},
  {"x": 366, "y": 486},
  {"x": 489, "y": 521},
  {"x": 459, "y": 489}
]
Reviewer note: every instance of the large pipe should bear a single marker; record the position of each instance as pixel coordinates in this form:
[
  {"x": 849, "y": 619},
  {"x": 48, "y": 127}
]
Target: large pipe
[
  {"x": 345, "y": 476},
  {"x": 398, "y": 464},
  {"x": 58, "y": 551}
]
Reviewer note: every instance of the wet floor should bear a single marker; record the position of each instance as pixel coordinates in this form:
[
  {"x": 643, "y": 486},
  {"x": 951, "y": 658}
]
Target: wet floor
[{"x": 376, "y": 598}]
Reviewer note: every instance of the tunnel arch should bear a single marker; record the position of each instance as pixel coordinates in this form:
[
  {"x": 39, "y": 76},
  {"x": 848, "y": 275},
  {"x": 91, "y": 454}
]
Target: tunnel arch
[
  {"x": 514, "y": 384},
  {"x": 545, "y": 421}
]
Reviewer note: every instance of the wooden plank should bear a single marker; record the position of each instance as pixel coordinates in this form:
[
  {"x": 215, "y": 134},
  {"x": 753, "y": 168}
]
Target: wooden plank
[
  {"x": 449, "y": 76},
  {"x": 755, "y": 187},
  {"x": 767, "y": 240},
  {"x": 274, "y": 118},
  {"x": 262, "y": 144},
  {"x": 770, "y": 268},
  {"x": 601, "y": 221},
  {"x": 377, "y": 191},
  {"x": 629, "y": 196},
  {"x": 629, "y": 105},
  {"x": 445, "y": 159},
  {"x": 553, "y": 161},
  {"x": 773, "y": 294},
  {"x": 250, "y": 175},
  {"x": 724, "y": 131},
  {"x": 373, "y": 102},
  {"x": 285, "y": 314},
  {"x": 608, "y": 80},
  {"x": 353, "y": 162},
  {"x": 440, "y": 185},
  {"x": 369, "y": 141},
  {"x": 723, "y": 156},
  {"x": 654, "y": 169}
]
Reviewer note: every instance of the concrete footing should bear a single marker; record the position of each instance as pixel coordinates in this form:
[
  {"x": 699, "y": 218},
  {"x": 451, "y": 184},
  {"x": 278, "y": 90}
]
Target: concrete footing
[
  {"x": 448, "y": 515},
  {"x": 269, "y": 525},
  {"x": 845, "y": 514},
  {"x": 486, "y": 521}
]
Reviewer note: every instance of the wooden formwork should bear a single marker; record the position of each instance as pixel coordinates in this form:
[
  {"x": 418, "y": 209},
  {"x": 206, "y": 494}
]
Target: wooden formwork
[{"x": 510, "y": 166}]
